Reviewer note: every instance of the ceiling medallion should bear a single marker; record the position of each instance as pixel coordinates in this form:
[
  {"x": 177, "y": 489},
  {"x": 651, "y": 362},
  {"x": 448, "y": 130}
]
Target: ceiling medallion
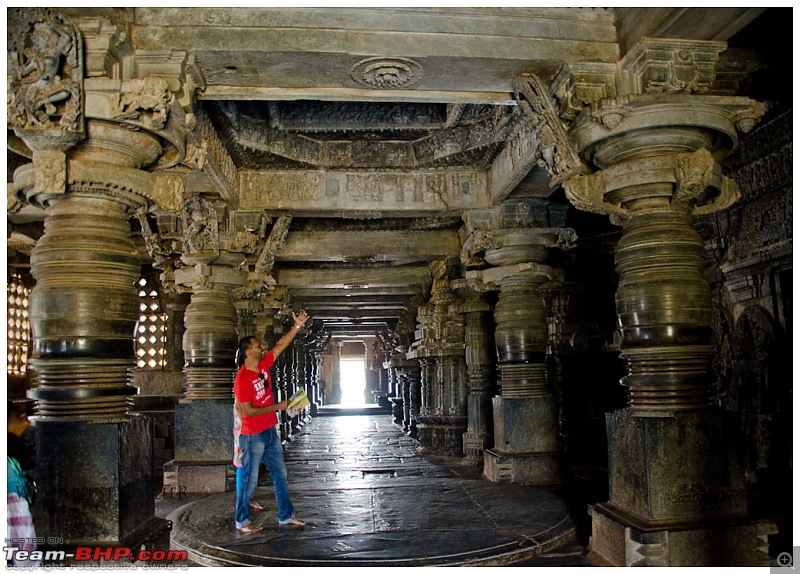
[{"x": 387, "y": 73}]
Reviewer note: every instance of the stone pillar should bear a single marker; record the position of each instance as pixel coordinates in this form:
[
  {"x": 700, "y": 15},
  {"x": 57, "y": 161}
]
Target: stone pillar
[
  {"x": 479, "y": 369},
  {"x": 677, "y": 492},
  {"x": 440, "y": 348},
  {"x": 94, "y": 460},
  {"x": 335, "y": 397},
  {"x": 204, "y": 416},
  {"x": 515, "y": 239}
]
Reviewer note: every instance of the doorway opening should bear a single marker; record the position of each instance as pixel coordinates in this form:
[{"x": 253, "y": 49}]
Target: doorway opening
[{"x": 353, "y": 381}]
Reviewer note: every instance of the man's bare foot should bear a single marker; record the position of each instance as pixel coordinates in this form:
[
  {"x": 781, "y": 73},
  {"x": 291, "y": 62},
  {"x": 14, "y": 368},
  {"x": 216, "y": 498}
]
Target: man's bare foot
[
  {"x": 255, "y": 506},
  {"x": 295, "y": 523},
  {"x": 250, "y": 529}
]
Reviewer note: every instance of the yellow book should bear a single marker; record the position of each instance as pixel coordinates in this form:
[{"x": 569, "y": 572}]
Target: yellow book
[{"x": 297, "y": 402}]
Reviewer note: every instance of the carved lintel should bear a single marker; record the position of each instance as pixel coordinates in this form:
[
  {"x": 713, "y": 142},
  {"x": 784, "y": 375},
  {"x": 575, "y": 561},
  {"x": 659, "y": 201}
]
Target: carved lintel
[
  {"x": 217, "y": 162},
  {"x": 46, "y": 67},
  {"x": 275, "y": 241}
]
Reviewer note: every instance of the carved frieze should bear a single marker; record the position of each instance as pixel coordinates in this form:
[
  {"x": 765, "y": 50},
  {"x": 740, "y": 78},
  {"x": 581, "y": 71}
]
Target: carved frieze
[
  {"x": 217, "y": 162},
  {"x": 46, "y": 71}
]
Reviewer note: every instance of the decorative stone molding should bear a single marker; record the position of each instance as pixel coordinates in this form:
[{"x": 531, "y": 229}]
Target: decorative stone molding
[
  {"x": 581, "y": 85},
  {"x": 668, "y": 66},
  {"x": 387, "y": 73},
  {"x": 217, "y": 162}
]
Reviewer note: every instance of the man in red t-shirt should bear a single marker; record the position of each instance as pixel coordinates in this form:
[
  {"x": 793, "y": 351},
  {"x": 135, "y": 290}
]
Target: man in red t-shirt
[{"x": 259, "y": 439}]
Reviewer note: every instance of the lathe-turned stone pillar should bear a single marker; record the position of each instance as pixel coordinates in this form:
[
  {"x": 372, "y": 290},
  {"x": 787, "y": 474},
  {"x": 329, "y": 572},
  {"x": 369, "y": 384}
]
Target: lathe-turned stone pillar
[
  {"x": 94, "y": 460},
  {"x": 677, "y": 492},
  {"x": 515, "y": 239},
  {"x": 480, "y": 367},
  {"x": 204, "y": 416}
]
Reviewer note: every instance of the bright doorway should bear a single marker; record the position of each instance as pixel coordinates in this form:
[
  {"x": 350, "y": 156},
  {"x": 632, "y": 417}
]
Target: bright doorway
[{"x": 353, "y": 381}]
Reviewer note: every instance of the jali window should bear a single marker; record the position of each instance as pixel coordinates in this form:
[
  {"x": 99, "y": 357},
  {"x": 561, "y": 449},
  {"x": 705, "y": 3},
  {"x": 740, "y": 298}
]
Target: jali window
[
  {"x": 18, "y": 336},
  {"x": 151, "y": 331}
]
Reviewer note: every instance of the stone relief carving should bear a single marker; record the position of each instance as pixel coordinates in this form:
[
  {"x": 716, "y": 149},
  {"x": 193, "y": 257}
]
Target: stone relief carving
[
  {"x": 200, "y": 228},
  {"x": 51, "y": 172},
  {"x": 586, "y": 192},
  {"x": 144, "y": 100},
  {"x": 46, "y": 69},
  {"x": 387, "y": 73},
  {"x": 217, "y": 161},
  {"x": 694, "y": 173}
]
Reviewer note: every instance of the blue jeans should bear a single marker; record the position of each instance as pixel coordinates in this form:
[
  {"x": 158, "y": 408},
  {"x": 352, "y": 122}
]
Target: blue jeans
[{"x": 265, "y": 446}]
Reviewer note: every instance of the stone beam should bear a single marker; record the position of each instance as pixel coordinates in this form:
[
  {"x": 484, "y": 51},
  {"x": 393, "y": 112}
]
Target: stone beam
[
  {"x": 358, "y": 293},
  {"x": 460, "y": 51},
  {"x": 369, "y": 246},
  {"x": 362, "y": 195},
  {"x": 354, "y": 276}
]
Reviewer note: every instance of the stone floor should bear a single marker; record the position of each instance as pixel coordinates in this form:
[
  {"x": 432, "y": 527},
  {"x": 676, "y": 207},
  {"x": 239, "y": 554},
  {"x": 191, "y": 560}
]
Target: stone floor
[{"x": 371, "y": 497}]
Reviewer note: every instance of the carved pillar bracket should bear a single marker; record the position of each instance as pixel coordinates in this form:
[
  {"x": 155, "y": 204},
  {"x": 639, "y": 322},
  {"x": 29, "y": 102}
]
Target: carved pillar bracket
[{"x": 275, "y": 241}]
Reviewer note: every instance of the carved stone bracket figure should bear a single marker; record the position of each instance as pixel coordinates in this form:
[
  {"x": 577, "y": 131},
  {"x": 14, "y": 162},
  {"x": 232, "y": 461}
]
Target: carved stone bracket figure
[
  {"x": 556, "y": 153},
  {"x": 46, "y": 63},
  {"x": 200, "y": 230}
]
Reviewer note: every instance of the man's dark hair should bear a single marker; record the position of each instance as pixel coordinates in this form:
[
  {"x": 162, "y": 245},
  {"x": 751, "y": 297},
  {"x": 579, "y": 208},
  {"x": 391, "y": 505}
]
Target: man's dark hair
[{"x": 245, "y": 343}]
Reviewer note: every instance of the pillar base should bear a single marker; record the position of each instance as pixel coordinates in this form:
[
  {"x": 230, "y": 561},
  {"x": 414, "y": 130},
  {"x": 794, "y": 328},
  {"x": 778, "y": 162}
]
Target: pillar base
[
  {"x": 182, "y": 477},
  {"x": 442, "y": 434},
  {"x": 474, "y": 445},
  {"x": 203, "y": 449},
  {"x": 521, "y": 468},
  {"x": 94, "y": 481},
  {"x": 679, "y": 466},
  {"x": 619, "y": 540}
]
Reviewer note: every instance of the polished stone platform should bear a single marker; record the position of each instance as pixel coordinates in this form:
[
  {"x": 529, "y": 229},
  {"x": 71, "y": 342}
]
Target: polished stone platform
[{"x": 371, "y": 497}]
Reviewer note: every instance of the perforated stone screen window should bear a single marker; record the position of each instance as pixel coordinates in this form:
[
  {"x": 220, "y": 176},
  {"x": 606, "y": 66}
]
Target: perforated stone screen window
[
  {"x": 18, "y": 335},
  {"x": 151, "y": 330}
]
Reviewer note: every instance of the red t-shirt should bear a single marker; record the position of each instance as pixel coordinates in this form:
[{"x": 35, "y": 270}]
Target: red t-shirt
[{"x": 256, "y": 388}]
